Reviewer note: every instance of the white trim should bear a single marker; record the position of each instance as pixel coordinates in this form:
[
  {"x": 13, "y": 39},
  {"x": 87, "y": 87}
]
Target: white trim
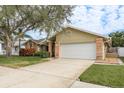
[{"x": 82, "y": 30}]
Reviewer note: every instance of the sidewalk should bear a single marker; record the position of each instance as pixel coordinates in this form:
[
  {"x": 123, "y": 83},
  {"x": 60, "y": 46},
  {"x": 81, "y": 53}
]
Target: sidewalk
[{"x": 78, "y": 84}]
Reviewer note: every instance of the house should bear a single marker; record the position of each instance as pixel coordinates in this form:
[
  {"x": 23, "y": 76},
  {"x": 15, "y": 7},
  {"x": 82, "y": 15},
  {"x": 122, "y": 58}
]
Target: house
[
  {"x": 38, "y": 45},
  {"x": 77, "y": 43},
  {"x": 15, "y": 50},
  {"x": 72, "y": 42},
  {"x": 1, "y": 48}
]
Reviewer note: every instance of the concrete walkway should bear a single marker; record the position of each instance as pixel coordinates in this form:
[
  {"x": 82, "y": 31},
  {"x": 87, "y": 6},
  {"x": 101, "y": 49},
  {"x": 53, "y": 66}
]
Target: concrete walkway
[
  {"x": 59, "y": 73},
  {"x": 78, "y": 84}
]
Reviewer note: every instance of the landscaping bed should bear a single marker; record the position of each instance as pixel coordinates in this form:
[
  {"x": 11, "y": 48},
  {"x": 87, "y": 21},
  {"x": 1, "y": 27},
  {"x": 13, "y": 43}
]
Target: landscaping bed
[
  {"x": 106, "y": 75},
  {"x": 20, "y": 61}
]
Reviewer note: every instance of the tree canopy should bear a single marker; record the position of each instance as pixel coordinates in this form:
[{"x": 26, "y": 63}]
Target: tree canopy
[
  {"x": 30, "y": 17},
  {"x": 117, "y": 38}
]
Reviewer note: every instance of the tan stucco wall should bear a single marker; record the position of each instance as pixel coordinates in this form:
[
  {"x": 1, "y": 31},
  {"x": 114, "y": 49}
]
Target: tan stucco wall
[{"x": 74, "y": 36}]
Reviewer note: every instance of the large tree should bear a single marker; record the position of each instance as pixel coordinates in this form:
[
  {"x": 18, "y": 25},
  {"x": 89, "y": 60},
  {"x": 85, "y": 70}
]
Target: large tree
[
  {"x": 117, "y": 38},
  {"x": 21, "y": 36},
  {"x": 28, "y": 18}
]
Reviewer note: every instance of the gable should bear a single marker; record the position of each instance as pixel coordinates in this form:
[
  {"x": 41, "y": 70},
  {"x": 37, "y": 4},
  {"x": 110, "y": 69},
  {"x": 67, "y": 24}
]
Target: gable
[{"x": 70, "y": 35}]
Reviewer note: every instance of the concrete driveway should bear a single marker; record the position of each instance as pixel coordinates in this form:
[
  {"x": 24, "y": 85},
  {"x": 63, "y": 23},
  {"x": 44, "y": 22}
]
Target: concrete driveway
[{"x": 59, "y": 73}]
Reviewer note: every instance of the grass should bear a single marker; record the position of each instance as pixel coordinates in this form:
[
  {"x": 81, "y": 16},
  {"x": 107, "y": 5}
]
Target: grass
[
  {"x": 106, "y": 75},
  {"x": 122, "y": 58},
  {"x": 20, "y": 61}
]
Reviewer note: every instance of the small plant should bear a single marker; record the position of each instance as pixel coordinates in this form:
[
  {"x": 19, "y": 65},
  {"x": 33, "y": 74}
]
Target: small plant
[
  {"x": 43, "y": 54},
  {"x": 39, "y": 53},
  {"x": 27, "y": 52}
]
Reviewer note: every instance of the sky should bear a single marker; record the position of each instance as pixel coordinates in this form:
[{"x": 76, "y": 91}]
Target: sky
[{"x": 100, "y": 19}]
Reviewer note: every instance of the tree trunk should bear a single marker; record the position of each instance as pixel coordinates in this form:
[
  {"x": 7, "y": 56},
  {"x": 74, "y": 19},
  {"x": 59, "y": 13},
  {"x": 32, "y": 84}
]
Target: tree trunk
[
  {"x": 8, "y": 48},
  {"x": 19, "y": 44},
  {"x": 8, "y": 52}
]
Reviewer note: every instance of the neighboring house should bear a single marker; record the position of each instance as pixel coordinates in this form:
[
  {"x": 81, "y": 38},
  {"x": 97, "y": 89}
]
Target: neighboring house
[
  {"x": 2, "y": 48},
  {"x": 77, "y": 43},
  {"x": 15, "y": 50},
  {"x": 38, "y": 45}
]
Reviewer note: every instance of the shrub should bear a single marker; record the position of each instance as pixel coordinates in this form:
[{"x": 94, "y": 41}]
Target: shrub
[
  {"x": 27, "y": 52},
  {"x": 37, "y": 53},
  {"x": 117, "y": 38},
  {"x": 43, "y": 54}
]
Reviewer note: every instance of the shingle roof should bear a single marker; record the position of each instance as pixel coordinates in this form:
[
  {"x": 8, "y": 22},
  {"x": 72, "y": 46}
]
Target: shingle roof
[{"x": 40, "y": 41}]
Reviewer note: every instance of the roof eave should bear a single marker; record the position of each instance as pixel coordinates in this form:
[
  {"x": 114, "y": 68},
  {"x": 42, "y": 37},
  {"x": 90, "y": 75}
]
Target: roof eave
[{"x": 82, "y": 30}]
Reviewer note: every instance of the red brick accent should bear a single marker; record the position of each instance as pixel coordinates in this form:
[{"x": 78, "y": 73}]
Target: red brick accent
[
  {"x": 57, "y": 50},
  {"x": 100, "y": 52}
]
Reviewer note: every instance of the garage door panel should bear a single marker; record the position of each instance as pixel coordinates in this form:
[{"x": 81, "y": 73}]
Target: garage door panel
[{"x": 80, "y": 51}]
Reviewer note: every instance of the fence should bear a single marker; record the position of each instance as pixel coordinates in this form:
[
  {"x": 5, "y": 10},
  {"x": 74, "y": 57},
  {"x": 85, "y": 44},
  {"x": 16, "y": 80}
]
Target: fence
[{"x": 121, "y": 51}]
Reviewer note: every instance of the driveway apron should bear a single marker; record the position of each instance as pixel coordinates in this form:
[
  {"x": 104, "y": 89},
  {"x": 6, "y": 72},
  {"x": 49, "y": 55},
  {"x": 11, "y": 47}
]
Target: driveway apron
[{"x": 58, "y": 73}]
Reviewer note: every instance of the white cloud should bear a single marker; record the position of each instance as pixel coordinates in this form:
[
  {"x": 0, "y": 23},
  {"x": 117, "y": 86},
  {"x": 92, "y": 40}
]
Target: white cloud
[
  {"x": 36, "y": 34},
  {"x": 91, "y": 20}
]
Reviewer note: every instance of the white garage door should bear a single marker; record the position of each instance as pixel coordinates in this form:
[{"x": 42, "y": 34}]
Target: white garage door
[{"x": 80, "y": 51}]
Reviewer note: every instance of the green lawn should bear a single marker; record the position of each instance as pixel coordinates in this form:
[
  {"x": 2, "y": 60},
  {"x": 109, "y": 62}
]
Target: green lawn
[
  {"x": 107, "y": 75},
  {"x": 20, "y": 61},
  {"x": 122, "y": 58}
]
